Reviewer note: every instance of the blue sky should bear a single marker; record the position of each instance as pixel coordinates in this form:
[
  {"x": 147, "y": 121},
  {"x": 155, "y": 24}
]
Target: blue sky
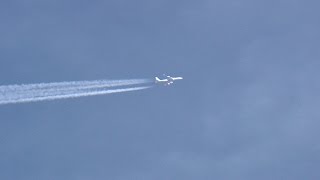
[{"x": 247, "y": 109}]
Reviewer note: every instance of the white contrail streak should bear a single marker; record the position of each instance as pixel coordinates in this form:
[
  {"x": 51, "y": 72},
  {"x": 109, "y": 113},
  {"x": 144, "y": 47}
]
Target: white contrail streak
[
  {"x": 50, "y": 91},
  {"x": 73, "y": 84},
  {"x": 72, "y": 95}
]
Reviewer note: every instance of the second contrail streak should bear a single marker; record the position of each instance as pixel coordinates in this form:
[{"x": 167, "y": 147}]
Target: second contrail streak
[{"x": 72, "y": 95}]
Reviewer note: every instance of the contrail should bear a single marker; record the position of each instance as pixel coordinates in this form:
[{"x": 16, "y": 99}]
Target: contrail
[
  {"x": 75, "y": 95},
  {"x": 51, "y": 91},
  {"x": 73, "y": 84}
]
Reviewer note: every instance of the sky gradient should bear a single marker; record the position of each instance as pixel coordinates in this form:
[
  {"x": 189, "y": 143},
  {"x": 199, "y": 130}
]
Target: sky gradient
[{"x": 248, "y": 107}]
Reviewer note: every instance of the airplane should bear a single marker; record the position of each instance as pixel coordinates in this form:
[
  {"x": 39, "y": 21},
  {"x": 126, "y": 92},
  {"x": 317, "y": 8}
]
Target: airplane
[{"x": 168, "y": 80}]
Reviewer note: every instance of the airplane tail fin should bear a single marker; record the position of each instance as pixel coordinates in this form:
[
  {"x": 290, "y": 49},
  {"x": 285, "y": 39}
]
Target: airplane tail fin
[{"x": 157, "y": 79}]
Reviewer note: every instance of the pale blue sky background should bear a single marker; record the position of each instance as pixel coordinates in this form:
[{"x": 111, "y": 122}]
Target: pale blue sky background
[{"x": 247, "y": 109}]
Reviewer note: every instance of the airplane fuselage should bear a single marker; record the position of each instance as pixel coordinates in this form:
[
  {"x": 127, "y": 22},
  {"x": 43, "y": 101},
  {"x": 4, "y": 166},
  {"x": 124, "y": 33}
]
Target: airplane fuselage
[{"x": 167, "y": 81}]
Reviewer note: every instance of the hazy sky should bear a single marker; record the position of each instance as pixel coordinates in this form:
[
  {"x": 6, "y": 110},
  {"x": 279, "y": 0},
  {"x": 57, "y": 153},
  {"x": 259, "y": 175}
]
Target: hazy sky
[{"x": 247, "y": 109}]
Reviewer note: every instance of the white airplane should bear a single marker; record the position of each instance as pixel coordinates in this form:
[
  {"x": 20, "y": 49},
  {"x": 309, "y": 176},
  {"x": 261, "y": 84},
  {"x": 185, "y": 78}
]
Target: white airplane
[{"x": 168, "y": 80}]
